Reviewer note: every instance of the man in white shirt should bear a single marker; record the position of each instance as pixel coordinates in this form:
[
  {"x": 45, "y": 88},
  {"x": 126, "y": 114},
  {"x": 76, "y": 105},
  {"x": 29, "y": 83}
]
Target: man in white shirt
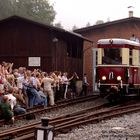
[
  {"x": 47, "y": 87},
  {"x": 65, "y": 81},
  {"x": 85, "y": 85}
]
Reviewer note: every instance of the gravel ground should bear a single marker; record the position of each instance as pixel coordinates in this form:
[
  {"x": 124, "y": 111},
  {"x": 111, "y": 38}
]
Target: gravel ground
[
  {"x": 73, "y": 108},
  {"x": 121, "y": 128}
]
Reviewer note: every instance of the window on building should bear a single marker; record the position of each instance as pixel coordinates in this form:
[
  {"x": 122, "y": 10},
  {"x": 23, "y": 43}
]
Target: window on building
[
  {"x": 130, "y": 56},
  {"x": 130, "y": 52},
  {"x": 96, "y": 57},
  {"x": 130, "y": 61},
  {"x": 74, "y": 49}
]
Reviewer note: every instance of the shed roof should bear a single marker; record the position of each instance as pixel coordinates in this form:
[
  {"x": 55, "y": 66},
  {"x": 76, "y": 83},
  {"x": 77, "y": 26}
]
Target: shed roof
[
  {"x": 85, "y": 29},
  {"x": 46, "y": 26}
]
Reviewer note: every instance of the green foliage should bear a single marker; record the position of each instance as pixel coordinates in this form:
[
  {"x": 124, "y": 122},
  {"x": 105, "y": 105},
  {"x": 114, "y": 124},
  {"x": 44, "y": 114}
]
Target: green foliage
[
  {"x": 88, "y": 24},
  {"x": 38, "y": 10},
  {"x": 74, "y": 27},
  {"x": 99, "y": 22},
  {"x": 59, "y": 25}
]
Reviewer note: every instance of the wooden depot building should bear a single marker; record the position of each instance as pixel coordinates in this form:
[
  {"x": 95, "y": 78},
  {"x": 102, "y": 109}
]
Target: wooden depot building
[{"x": 34, "y": 45}]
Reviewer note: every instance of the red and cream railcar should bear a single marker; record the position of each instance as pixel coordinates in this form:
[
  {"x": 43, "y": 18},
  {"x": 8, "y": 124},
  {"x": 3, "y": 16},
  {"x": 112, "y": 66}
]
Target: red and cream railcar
[{"x": 118, "y": 63}]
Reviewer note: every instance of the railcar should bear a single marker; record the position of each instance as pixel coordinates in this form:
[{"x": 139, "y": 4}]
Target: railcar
[{"x": 118, "y": 66}]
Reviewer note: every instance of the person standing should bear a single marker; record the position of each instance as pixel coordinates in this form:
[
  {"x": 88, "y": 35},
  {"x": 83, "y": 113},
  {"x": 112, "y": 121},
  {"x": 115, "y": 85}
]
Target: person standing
[
  {"x": 33, "y": 95},
  {"x": 59, "y": 92},
  {"x": 73, "y": 81},
  {"x": 133, "y": 38},
  {"x": 85, "y": 84},
  {"x": 65, "y": 84},
  {"x": 47, "y": 82}
]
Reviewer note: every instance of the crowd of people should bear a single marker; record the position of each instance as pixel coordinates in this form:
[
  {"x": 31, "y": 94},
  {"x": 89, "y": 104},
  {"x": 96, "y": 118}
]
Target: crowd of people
[{"x": 22, "y": 88}]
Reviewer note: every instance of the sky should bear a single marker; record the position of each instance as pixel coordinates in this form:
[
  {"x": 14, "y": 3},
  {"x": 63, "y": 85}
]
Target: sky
[{"x": 80, "y": 12}]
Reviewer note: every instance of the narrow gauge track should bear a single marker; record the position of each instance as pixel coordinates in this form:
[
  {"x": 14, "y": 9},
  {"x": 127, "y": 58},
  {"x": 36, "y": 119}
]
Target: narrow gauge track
[
  {"x": 26, "y": 129},
  {"x": 60, "y": 104},
  {"x": 63, "y": 103},
  {"x": 69, "y": 121}
]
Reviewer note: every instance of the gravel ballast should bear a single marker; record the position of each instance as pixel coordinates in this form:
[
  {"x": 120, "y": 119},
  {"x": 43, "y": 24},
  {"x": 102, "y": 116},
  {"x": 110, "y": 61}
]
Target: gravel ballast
[
  {"x": 55, "y": 113},
  {"x": 121, "y": 128}
]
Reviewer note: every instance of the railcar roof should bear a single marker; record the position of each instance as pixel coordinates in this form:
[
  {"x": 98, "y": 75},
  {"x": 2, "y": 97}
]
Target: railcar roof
[{"x": 118, "y": 41}]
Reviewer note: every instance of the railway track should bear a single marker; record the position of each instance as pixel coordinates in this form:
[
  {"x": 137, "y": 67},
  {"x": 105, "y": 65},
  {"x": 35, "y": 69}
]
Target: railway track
[
  {"x": 63, "y": 103},
  {"x": 66, "y": 122},
  {"x": 24, "y": 130}
]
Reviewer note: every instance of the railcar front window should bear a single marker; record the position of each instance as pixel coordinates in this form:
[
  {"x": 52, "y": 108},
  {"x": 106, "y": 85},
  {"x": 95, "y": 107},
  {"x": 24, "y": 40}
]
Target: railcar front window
[{"x": 111, "y": 56}]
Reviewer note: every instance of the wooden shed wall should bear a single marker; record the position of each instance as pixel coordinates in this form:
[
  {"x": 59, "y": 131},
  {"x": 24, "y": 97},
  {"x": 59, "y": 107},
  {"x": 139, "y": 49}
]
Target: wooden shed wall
[{"x": 20, "y": 39}]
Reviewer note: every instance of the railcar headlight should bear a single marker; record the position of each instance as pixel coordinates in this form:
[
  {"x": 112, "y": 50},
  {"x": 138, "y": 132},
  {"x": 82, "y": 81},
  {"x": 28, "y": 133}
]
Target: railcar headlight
[
  {"x": 103, "y": 77},
  {"x": 119, "y": 78}
]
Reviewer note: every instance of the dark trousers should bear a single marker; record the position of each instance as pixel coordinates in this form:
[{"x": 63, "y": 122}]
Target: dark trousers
[{"x": 84, "y": 90}]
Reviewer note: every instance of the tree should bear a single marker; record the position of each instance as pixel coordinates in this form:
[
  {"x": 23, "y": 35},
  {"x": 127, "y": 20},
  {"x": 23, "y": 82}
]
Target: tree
[
  {"x": 108, "y": 19},
  {"x": 88, "y": 24},
  {"x": 74, "y": 27},
  {"x": 99, "y": 22},
  {"x": 59, "y": 25},
  {"x": 6, "y": 8},
  {"x": 39, "y": 10}
]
